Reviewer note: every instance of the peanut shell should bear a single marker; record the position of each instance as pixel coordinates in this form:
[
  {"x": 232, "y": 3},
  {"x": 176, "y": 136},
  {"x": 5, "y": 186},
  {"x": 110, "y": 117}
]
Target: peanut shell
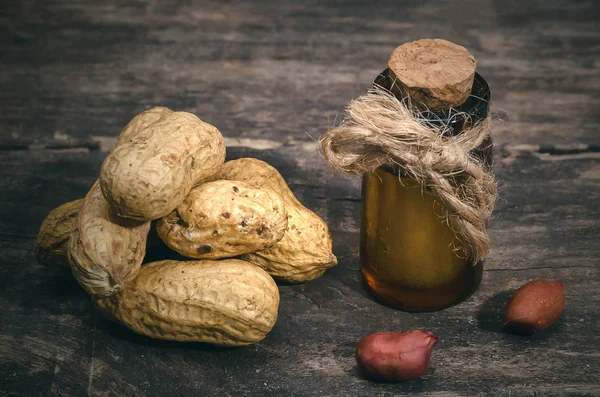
[
  {"x": 105, "y": 250},
  {"x": 228, "y": 302},
  {"x": 304, "y": 252},
  {"x": 222, "y": 219},
  {"x": 157, "y": 161},
  {"x": 141, "y": 122},
  {"x": 52, "y": 244}
]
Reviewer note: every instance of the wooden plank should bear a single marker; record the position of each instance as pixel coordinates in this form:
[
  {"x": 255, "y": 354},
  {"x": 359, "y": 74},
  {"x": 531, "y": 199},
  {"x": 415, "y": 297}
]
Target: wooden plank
[
  {"x": 52, "y": 341},
  {"x": 72, "y": 72},
  {"x": 274, "y": 76}
]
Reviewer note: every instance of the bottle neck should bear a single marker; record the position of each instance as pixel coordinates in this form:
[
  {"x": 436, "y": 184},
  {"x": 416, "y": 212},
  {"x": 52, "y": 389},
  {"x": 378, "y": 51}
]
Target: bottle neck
[{"x": 467, "y": 115}]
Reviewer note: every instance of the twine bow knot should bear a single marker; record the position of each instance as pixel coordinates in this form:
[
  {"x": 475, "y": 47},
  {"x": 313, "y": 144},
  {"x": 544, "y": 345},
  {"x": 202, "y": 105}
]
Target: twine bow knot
[{"x": 378, "y": 129}]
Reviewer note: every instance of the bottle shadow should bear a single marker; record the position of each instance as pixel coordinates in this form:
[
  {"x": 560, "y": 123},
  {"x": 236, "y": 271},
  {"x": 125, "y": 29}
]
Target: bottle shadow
[{"x": 489, "y": 315}]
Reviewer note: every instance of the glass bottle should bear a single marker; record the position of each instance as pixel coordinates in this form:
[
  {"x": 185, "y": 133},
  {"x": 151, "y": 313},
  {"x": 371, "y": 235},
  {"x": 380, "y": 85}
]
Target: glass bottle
[{"x": 409, "y": 257}]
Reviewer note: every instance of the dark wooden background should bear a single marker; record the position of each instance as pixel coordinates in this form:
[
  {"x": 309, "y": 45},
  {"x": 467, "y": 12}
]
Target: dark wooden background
[{"x": 272, "y": 76}]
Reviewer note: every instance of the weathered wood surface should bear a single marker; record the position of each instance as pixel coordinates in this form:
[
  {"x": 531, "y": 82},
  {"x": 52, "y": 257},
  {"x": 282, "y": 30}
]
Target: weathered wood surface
[{"x": 272, "y": 75}]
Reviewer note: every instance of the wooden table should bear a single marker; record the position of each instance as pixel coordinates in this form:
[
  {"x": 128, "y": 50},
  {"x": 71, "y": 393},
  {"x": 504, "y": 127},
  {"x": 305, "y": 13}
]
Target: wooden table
[{"x": 272, "y": 76}]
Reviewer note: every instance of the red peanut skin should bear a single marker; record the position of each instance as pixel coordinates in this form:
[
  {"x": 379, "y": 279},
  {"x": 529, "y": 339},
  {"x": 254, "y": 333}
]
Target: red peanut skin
[
  {"x": 395, "y": 356},
  {"x": 535, "y": 306}
]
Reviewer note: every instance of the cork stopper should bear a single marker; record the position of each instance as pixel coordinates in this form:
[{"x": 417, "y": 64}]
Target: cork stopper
[{"x": 436, "y": 74}]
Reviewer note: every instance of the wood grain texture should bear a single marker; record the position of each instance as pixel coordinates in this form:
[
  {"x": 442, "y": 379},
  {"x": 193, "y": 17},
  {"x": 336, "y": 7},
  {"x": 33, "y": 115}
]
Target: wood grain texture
[
  {"x": 268, "y": 75},
  {"x": 72, "y": 71},
  {"x": 545, "y": 227}
]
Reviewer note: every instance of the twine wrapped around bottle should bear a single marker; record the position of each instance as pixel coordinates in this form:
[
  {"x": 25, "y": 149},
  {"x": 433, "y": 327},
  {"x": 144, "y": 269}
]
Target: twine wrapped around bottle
[{"x": 380, "y": 130}]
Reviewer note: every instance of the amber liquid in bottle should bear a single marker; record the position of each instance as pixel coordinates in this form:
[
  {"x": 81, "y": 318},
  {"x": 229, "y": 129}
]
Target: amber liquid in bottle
[{"x": 410, "y": 258}]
